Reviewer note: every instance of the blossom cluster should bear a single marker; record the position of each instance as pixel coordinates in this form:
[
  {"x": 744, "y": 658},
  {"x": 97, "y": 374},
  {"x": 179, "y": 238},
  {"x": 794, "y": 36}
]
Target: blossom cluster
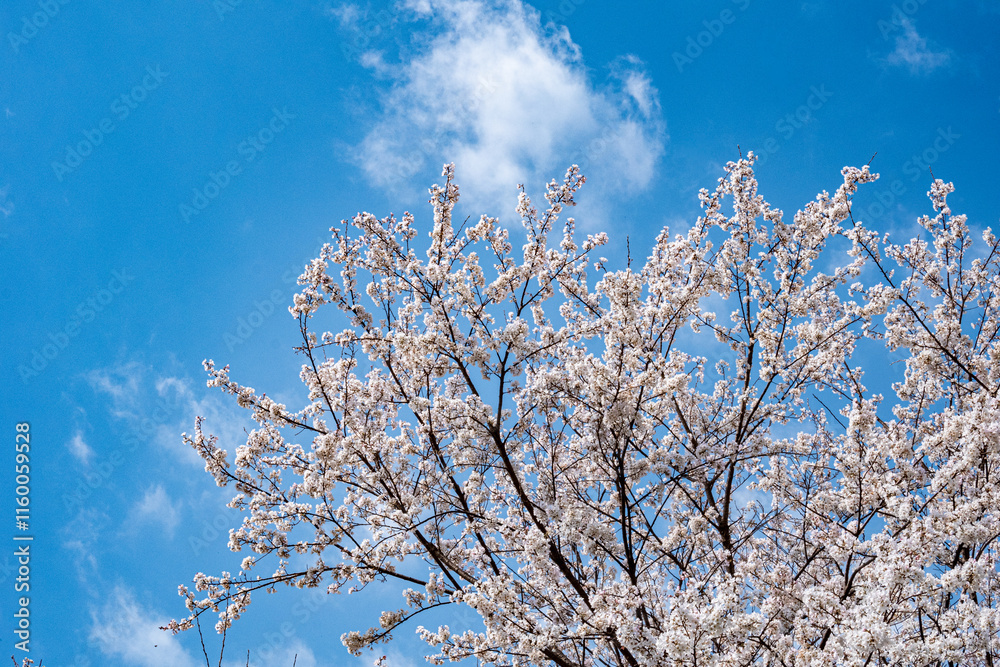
[{"x": 608, "y": 472}]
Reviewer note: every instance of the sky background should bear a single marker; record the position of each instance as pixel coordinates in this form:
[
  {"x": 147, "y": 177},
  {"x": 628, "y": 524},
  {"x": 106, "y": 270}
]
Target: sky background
[{"x": 168, "y": 168}]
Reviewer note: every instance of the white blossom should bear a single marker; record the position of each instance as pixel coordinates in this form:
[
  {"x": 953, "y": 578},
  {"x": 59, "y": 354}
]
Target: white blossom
[{"x": 534, "y": 436}]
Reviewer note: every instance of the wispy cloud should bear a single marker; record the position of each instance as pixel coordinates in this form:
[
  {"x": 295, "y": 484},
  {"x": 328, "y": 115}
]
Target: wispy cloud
[
  {"x": 121, "y": 383},
  {"x": 156, "y": 508},
  {"x": 157, "y": 408},
  {"x": 122, "y": 628},
  {"x": 6, "y": 206},
  {"x": 509, "y": 101},
  {"x": 81, "y": 536},
  {"x": 347, "y": 14},
  {"x": 79, "y": 448},
  {"x": 914, "y": 52}
]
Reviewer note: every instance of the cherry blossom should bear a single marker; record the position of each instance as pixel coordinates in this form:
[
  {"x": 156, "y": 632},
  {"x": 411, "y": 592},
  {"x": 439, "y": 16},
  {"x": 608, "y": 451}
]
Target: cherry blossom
[{"x": 672, "y": 464}]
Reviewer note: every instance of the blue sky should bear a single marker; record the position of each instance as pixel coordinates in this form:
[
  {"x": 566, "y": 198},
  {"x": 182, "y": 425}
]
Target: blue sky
[{"x": 168, "y": 168}]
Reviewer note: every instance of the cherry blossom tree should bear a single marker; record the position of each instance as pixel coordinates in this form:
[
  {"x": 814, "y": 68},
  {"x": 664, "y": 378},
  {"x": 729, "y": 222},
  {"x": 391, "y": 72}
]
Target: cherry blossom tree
[{"x": 608, "y": 473}]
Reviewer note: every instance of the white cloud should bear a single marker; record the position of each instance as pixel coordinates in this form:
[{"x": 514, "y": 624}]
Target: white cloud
[
  {"x": 82, "y": 534},
  {"x": 913, "y": 51},
  {"x": 509, "y": 102},
  {"x": 6, "y": 206},
  {"x": 79, "y": 448},
  {"x": 120, "y": 382},
  {"x": 348, "y": 15},
  {"x": 123, "y": 629},
  {"x": 156, "y": 508},
  {"x": 157, "y": 409}
]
